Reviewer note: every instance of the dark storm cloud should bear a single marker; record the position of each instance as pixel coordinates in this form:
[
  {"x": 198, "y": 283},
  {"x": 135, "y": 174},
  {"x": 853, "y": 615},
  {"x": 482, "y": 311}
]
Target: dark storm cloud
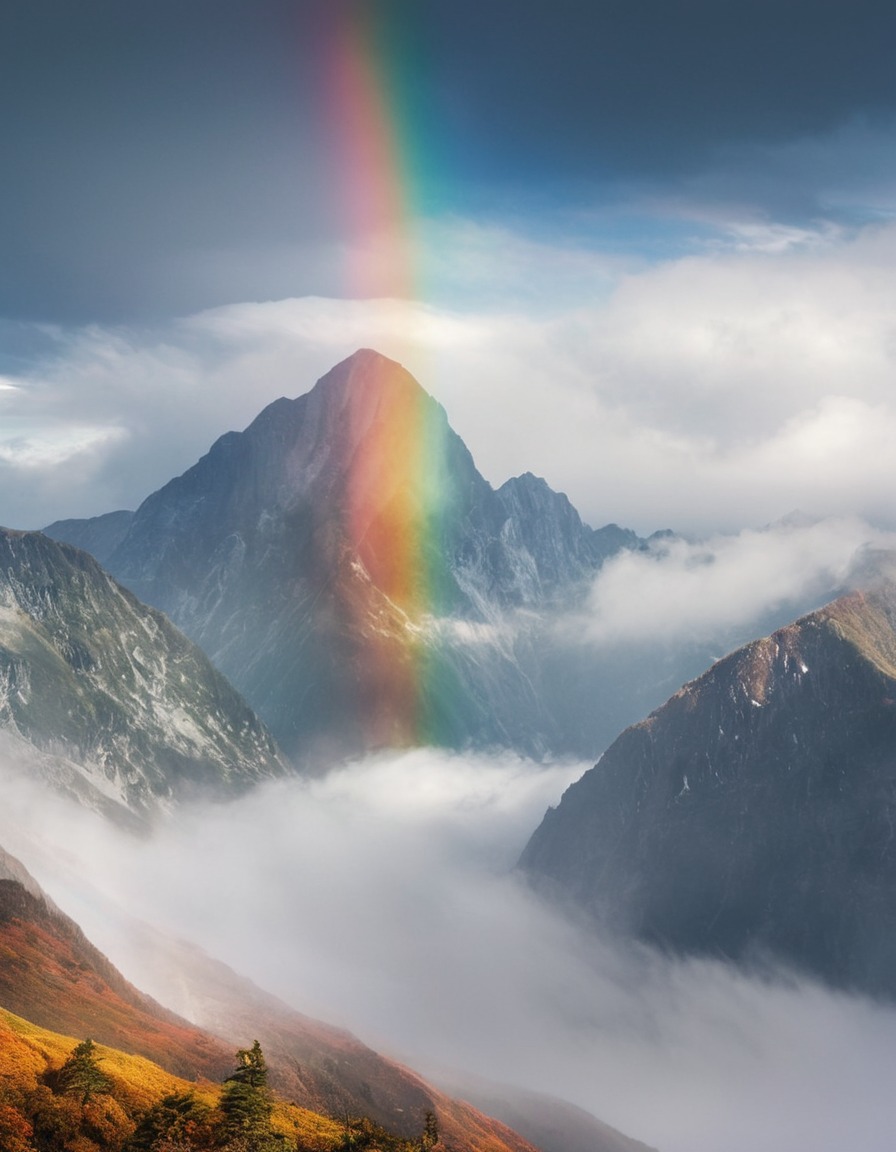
[
  {"x": 138, "y": 136},
  {"x": 652, "y": 86},
  {"x": 160, "y": 158}
]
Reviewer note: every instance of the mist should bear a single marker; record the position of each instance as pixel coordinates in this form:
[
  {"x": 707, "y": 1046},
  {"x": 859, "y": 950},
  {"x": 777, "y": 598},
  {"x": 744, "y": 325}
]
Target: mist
[
  {"x": 380, "y": 897},
  {"x": 725, "y": 586}
]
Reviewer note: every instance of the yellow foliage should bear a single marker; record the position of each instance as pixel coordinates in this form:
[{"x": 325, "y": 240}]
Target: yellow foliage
[
  {"x": 317, "y": 1133},
  {"x": 27, "y": 1052}
]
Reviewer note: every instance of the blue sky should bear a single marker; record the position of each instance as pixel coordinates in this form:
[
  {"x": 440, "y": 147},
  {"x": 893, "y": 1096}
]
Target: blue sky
[{"x": 659, "y": 233}]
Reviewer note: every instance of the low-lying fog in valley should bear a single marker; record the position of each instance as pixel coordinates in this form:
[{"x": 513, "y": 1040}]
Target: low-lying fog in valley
[{"x": 381, "y": 897}]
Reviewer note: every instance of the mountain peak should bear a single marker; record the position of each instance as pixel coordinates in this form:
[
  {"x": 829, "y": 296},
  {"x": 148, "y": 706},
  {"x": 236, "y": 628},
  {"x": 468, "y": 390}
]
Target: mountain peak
[
  {"x": 752, "y": 813},
  {"x": 325, "y": 556},
  {"x": 365, "y": 389},
  {"x": 365, "y": 370}
]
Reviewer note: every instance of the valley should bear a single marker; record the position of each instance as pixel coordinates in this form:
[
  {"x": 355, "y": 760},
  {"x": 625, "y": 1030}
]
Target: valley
[{"x": 424, "y": 689}]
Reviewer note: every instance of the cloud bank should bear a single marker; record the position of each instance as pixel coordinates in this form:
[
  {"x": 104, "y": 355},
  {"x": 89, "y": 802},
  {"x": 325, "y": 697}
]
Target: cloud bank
[
  {"x": 379, "y": 897},
  {"x": 724, "y": 586},
  {"x": 708, "y": 393}
]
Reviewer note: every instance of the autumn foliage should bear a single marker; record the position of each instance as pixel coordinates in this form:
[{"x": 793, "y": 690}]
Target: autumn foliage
[{"x": 60, "y": 1095}]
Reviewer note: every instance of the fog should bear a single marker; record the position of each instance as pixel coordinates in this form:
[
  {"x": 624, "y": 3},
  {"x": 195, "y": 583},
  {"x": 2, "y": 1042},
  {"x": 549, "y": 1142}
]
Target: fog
[
  {"x": 725, "y": 585},
  {"x": 380, "y": 897}
]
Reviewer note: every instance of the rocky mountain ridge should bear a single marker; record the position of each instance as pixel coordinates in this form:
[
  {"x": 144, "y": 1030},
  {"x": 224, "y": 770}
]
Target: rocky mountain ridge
[
  {"x": 104, "y": 697},
  {"x": 752, "y": 815},
  {"x": 344, "y": 563}
]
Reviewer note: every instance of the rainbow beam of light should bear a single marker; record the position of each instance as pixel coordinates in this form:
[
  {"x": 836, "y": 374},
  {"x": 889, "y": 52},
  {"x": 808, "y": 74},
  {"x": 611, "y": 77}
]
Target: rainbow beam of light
[
  {"x": 370, "y": 99},
  {"x": 400, "y": 501},
  {"x": 398, "y": 486}
]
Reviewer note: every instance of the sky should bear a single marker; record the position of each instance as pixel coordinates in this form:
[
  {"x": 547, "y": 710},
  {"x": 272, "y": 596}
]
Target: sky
[{"x": 645, "y": 249}]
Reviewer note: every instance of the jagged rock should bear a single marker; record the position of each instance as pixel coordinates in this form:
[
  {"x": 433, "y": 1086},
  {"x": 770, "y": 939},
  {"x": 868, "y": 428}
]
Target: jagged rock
[
  {"x": 753, "y": 814},
  {"x": 344, "y": 563},
  {"x": 104, "y": 697}
]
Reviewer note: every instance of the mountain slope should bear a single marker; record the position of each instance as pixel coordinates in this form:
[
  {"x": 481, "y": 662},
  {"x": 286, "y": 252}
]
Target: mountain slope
[
  {"x": 98, "y": 535},
  {"x": 38, "y": 1111},
  {"x": 51, "y": 975},
  {"x": 344, "y": 563},
  {"x": 754, "y": 812},
  {"x": 325, "y": 1068},
  {"x": 553, "y": 1125},
  {"x": 105, "y": 696}
]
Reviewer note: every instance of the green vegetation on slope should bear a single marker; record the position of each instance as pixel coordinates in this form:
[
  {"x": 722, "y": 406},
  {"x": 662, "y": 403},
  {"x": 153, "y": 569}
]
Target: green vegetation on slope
[{"x": 59, "y": 1095}]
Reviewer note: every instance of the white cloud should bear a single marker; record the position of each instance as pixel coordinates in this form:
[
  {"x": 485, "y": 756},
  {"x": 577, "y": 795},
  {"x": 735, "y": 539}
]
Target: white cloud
[
  {"x": 54, "y": 447},
  {"x": 710, "y": 392},
  {"x": 706, "y": 590},
  {"x": 378, "y": 897}
]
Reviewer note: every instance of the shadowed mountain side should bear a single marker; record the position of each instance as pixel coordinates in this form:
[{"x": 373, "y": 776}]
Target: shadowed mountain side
[
  {"x": 98, "y": 535},
  {"x": 551, "y": 1124},
  {"x": 344, "y": 563},
  {"x": 753, "y": 813},
  {"x": 120, "y": 707}
]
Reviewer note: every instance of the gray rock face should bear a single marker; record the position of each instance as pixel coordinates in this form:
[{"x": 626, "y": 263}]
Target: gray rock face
[
  {"x": 543, "y": 527},
  {"x": 98, "y": 535},
  {"x": 346, "y": 566},
  {"x": 753, "y": 813},
  {"x": 105, "y": 697}
]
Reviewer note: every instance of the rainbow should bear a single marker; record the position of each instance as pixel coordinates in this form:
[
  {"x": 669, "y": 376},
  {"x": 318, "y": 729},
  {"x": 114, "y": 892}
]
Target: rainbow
[
  {"x": 393, "y": 447},
  {"x": 368, "y": 100},
  {"x": 398, "y": 490}
]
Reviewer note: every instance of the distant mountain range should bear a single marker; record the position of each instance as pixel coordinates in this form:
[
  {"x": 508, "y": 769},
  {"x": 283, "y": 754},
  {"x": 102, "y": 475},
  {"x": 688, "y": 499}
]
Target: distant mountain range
[
  {"x": 104, "y": 697},
  {"x": 752, "y": 816},
  {"x": 344, "y": 563}
]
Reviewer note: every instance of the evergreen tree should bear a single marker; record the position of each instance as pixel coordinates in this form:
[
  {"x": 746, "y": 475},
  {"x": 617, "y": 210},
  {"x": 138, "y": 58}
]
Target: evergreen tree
[
  {"x": 176, "y": 1121},
  {"x": 80, "y": 1076},
  {"x": 245, "y": 1104},
  {"x": 251, "y": 1067},
  {"x": 430, "y": 1131}
]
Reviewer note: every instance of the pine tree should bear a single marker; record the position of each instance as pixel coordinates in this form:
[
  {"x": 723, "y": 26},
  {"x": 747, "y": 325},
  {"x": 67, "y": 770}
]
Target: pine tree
[
  {"x": 245, "y": 1104},
  {"x": 176, "y": 1121},
  {"x": 430, "y": 1131},
  {"x": 81, "y": 1076}
]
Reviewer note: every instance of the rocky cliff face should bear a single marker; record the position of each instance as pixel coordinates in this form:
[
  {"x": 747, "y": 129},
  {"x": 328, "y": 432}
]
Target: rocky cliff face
[
  {"x": 752, "y": 814},
  {"x": 105, "y": 696},
  {"x": 344, "y": 563}
]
